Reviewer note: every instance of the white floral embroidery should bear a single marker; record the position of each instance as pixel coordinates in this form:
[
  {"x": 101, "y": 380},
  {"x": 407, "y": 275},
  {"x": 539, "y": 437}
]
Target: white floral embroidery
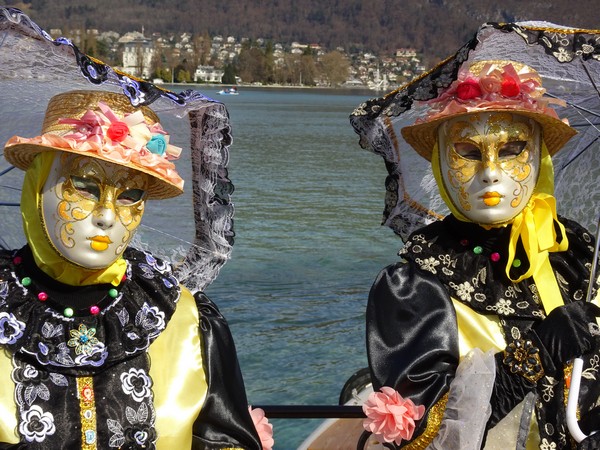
[
  {"x": 548, "y": 388},
  {"x": 428, "y": 264},
  {"x": 151, "y": 319},
  {"x": 36, "y": 424},
  {"x": 481, "y": 277},
  {"x": 545, "y": 445},
  {"x": 480, "y": 297},
  {"x": 447, "y": 261},
  {"x": 510, "y": 292},
  {"x": 11, "y": 329},
  {"x": 137, "y": 384},
  {"x": 3, "y": 292},
  {"x": 563, "y": 56},
  {"x": 503, "y": 307},
  {"x": 447, "y": 271},
  {"x": 117, "y": 439},
  {"x": 515, "y": 333},
  {"x": 140, "y": 435},
  {"x": 419, "y": 238},
  {"x": 590, "y": 372},
  {"x": 463, "y": 290}
]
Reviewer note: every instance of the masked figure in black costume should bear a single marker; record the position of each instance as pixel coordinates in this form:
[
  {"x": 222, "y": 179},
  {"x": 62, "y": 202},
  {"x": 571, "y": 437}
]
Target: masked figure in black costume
[
  {"x": 475, "y": 328},
  {"x": 102, "y": 348}
]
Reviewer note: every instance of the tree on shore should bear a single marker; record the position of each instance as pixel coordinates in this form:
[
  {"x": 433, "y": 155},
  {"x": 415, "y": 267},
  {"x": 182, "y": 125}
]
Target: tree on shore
[
  {"x": 228, "y": 75},
  {"x": 335, "y": 68}
]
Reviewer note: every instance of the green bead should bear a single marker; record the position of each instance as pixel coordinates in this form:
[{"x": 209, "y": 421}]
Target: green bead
[
  {"x": 516, "y": 263},
  {"x": 113, "y": 293},
  {"x": 68, "y": 312},
  {"x": 478, "y": 250},
  {"x": 26, "y": 281}
]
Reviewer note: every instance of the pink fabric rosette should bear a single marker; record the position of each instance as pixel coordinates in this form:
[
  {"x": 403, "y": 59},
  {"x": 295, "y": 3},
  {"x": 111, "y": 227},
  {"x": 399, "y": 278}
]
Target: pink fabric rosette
[
  {"x": 122, "y": 140},
  {"x": 263, "y": 427},
  {"x": 391, "y": 417}
]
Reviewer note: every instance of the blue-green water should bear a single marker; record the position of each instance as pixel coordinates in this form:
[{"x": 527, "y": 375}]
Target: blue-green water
[
  {"x": 309, "y": 244},
  {"x": 308, "y": 240}
]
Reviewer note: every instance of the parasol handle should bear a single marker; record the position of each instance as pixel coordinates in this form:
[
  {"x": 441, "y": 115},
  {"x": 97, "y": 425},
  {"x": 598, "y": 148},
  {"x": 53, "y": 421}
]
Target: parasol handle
[
  {"x": 572, "y": 423},
  {"x": 573, "y": 398}
]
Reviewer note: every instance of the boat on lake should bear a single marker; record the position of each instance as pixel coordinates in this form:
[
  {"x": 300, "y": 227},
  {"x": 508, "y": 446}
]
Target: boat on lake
[{"x": 229, "y": 91}]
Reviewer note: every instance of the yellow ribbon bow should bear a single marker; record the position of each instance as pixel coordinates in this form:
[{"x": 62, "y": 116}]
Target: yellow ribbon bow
[{"x": 536, "y": 227}]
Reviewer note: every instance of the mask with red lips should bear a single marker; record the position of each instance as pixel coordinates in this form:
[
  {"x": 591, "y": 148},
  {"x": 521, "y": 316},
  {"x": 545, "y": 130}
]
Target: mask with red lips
[{"x": 489, "y": 164}]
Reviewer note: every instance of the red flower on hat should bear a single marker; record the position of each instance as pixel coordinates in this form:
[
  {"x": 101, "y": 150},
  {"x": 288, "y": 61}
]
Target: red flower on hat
[
  {"x": 468, "y": 89},
  {"x": 117, "y": 131},
  {"x": 510, "y": 88}
]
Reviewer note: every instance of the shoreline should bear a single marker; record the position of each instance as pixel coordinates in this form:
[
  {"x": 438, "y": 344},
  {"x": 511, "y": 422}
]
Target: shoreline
[{"x": 199, "y": 86}]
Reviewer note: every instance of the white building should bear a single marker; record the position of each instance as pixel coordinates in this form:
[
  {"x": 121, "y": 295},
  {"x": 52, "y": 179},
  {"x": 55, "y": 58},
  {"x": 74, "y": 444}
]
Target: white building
[
  {"x": 138, "y": 52},
  {"x": 208, "y": 74}
]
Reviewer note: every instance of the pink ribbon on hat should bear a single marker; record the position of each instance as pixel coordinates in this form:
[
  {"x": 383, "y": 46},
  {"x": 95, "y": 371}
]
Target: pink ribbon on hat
[
  {"x": 493, "y": 88},
  {"x": 88, "y": 128},
  {"x": 130, "y": 135}
]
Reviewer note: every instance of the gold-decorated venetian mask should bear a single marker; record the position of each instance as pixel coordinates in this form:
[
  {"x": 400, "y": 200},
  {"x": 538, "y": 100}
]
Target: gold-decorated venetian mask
[
  {"x": 91, "y": 208},
  {"x": 489, "y": 164}
]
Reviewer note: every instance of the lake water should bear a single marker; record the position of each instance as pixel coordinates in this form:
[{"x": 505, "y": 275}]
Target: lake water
[
  {"x": 308, "y": 242},
  {"x": 308, "y": 246}
]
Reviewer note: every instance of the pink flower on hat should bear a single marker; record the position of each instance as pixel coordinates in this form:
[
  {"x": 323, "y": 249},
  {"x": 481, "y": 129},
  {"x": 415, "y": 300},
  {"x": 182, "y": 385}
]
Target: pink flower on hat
[
  {"x": 490, "y": 84},
  {"x": 263, "y": 427},
  {"x": 390, "y": 416}
]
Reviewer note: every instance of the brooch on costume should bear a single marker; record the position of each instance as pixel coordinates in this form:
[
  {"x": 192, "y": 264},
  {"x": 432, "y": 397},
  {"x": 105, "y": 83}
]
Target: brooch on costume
[
  {"x": 524, "y": 359},
  {"x": 83, "y": 340}
]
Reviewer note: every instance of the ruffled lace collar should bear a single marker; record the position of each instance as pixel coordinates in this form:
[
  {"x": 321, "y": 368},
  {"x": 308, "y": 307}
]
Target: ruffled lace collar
[{"x": 86, "y": 343}]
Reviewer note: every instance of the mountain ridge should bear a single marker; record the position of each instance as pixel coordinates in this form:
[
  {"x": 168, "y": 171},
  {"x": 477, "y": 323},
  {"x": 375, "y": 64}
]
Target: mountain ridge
[{"x": 435, "y": 28}]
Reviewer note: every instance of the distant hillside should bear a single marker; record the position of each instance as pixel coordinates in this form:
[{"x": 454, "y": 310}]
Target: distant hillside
[{"x": 436, "y": 28}]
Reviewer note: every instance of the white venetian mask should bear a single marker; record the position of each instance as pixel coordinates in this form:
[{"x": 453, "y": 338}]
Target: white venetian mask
[
  {"x": 91, "y": 208},
  {"x": 489, "y": 164}
]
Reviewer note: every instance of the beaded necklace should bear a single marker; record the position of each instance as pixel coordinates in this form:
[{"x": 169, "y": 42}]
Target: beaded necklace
[{"x": 43, "y": 296}]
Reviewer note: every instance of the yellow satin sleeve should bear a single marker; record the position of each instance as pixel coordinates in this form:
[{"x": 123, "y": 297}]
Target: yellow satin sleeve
[
  {"x": 485, "y": 333},
  {"x": 179, "y": 382},
  {"x": 8, "y": 407},
  {"x": 477, "y": 330},
  {"x": 177, "y": 373}
]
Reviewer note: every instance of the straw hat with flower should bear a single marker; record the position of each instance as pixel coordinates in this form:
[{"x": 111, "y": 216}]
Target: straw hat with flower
[
  {"x": 104, "y": 125},
  {"x": 491, "y": 86}
]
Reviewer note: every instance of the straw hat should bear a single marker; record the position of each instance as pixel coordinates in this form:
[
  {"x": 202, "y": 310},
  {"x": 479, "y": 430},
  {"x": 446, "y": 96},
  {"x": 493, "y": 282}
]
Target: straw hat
[
  {"x": 491, "y": 86},
  {"x": 106, "y": 126}
]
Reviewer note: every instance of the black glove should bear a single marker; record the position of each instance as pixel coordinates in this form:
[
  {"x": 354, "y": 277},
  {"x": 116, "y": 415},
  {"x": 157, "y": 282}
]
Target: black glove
[
  {"x": 590, "y": 443},
  {"x": 590, "y": 422},
  {"x": 566, "y": 334}
]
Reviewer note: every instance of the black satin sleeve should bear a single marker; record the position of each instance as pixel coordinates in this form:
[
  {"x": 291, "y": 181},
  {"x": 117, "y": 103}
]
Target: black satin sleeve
[
  {"x": 224, "y": 421},
  {"x": 412, "y": 335}
]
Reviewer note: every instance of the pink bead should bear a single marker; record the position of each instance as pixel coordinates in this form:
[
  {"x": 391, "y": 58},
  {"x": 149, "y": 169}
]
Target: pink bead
[
  {"x": 124, "y": 277},
  {"x": 17, "y": 260},
  {"x": 94, "y": 310},
  {"x": 495, "y": 257},
  {"x": 42, "y": 296}
]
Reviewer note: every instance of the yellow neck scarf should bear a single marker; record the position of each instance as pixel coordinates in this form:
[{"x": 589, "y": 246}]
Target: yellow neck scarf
[
  {"x": 534, "y": 227},
  {"x": 46, "y": 256}
]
